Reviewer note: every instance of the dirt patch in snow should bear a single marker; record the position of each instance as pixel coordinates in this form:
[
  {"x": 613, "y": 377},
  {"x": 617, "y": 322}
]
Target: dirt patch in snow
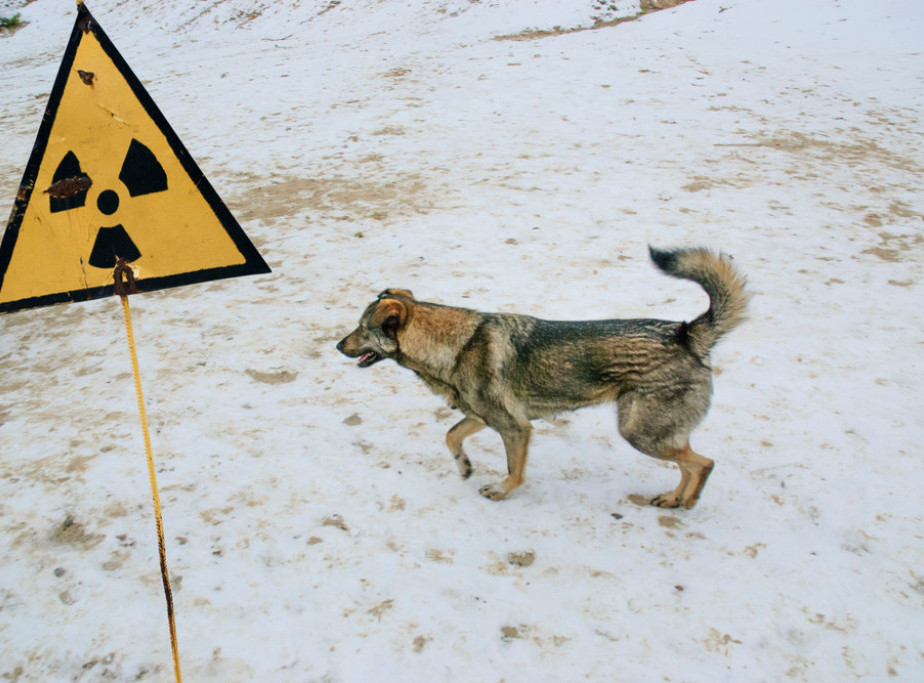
[{"x": 346, "y": 198}]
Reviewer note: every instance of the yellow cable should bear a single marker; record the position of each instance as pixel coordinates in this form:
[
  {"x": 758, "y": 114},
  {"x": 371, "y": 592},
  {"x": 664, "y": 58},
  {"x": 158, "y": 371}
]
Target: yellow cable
[{"x": 153, "y": 477}]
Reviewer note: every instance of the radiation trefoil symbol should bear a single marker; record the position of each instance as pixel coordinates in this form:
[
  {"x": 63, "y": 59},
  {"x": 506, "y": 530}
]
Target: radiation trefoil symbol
[{"x": 141, "y": 174}]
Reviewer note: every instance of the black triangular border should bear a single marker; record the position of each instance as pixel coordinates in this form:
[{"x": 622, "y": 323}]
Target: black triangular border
[{"x": 253, "y": 264}]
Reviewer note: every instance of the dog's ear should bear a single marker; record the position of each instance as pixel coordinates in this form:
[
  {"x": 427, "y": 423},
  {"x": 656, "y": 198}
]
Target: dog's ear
[
  {"x": 390, "y": 315},
  {"x": 392, "y": 292}
]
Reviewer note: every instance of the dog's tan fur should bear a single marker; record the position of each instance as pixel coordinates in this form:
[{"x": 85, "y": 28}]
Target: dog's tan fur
[{"x": 503, "y": 370}]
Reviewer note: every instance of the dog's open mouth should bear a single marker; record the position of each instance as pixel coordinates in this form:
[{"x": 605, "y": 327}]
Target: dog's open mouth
[{"x": 369, "y": 358}]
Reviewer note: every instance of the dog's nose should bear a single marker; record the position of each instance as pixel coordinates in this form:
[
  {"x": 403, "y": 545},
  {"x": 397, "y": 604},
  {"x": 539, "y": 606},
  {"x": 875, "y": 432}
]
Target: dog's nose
[{"x": 340, "y": 346}]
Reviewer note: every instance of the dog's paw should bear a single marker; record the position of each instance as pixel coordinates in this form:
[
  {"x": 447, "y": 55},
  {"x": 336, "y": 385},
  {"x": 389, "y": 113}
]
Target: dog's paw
[
  {"x": 666, "y": 500},
  {"x": 493, "y": 492},
  {"x": 464, "y": 465}
]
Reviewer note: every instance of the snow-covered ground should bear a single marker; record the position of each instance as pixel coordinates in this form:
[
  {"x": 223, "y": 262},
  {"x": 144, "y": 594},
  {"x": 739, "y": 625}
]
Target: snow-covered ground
[{"x": 316, "y": 527}]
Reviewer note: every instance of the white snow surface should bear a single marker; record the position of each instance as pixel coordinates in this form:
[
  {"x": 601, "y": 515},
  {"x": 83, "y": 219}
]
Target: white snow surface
[{"x": 316, "y": 526}]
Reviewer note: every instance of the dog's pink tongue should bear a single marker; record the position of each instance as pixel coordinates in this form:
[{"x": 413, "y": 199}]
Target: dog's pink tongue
[{"x": 363, "y": 358}]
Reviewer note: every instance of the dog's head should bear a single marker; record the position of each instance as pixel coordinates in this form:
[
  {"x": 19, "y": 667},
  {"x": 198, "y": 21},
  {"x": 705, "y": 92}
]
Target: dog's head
[{"x": 376, "y": 336}]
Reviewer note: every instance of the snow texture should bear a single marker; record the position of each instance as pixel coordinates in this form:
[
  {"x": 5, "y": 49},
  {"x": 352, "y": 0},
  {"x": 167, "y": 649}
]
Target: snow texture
[{"x": 485, "y": 154}]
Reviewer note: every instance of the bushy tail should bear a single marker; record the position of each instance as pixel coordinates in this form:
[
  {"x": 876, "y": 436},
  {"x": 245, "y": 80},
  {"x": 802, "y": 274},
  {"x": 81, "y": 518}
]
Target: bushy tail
[{"x": 724, "y": 285}]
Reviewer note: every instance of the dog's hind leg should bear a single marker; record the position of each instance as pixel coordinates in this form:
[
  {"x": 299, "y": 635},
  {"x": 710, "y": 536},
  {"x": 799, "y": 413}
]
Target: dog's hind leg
[
  {"x": 647, "y": 424},
  {"x": 516, "y": 443},
  {"x": 454, "y": 438}
]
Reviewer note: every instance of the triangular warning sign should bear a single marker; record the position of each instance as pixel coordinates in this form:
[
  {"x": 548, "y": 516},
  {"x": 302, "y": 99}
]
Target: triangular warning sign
[{"x": 108, "y": 179}]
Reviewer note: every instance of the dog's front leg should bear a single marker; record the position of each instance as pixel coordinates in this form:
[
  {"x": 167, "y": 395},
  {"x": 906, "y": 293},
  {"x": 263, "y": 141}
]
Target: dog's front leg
[
  {"x": 516, "y": 443},
  {"x": 454, "y": 438}
]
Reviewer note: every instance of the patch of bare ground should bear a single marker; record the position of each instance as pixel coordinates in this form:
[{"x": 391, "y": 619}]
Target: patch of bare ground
[
  {"x": 851, "y": 153},
  {"x": 267, "y": 199},
  {"x": 813, "y": 153},
  {"x": 75, "y": 534},
  {"x": 645, "y": 7},
  {"x": 282, "y": 377},
  {"x": 895, "y": 248}
]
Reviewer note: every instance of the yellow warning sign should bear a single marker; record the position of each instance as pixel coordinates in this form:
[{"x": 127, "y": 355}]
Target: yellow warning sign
[{"x": 108, "y": 179}]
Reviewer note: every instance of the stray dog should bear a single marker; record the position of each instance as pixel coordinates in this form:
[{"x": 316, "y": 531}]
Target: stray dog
[{"x": 503, "y": 370}]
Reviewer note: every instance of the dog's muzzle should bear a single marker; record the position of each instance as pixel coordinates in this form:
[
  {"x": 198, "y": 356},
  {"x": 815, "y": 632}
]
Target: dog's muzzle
[{"x": 366, "y": 358}]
